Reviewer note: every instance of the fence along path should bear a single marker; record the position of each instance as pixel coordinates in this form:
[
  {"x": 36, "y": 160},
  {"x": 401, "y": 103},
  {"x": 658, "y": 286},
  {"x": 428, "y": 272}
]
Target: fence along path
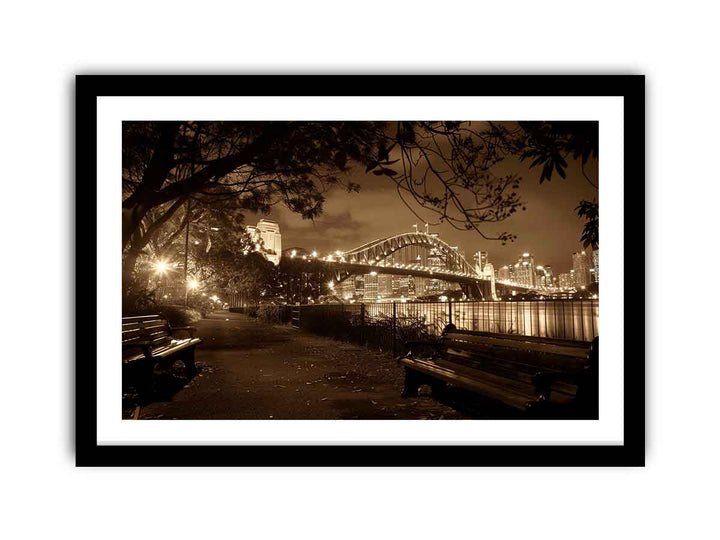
[{"x": 562, "y": 319}]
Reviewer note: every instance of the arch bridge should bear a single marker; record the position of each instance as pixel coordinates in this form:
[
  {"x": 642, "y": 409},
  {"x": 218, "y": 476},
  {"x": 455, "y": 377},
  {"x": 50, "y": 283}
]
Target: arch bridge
[{"x": 377, "y": 257}]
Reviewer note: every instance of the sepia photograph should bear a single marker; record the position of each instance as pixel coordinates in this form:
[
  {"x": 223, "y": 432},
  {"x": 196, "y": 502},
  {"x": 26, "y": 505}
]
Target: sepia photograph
[
  {"x": 327, "y": 269},
  {"x": 421, "y": 270}
]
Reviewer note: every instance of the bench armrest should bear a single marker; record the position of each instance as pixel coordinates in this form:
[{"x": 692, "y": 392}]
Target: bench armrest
[
  {"x": 415, "y": 345},
  {"x": 146, "y": 347},
  {"x": 189, "y": 329},
  {"x": 544, "y": 380}
]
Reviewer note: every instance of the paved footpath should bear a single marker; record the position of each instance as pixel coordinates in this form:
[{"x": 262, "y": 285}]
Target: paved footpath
[{"x": 252, "y": 370}]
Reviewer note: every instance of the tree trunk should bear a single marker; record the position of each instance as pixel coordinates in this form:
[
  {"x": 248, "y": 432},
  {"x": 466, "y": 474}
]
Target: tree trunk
[{"x": 128, "y": 269}]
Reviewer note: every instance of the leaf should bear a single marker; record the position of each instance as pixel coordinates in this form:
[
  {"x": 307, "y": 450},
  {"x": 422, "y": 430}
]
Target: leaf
[
  {"x": 389, "y": 172},
  {"x": 383, "y": 153},
  {"x": 371, "y": 166},
  {"x": 379, "y": 172},
  {"x": 538, "y": 161}
]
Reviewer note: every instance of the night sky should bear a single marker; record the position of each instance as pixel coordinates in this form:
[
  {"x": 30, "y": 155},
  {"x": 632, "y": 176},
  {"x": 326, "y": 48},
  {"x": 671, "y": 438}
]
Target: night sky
[{"x": 549, "y": 228}]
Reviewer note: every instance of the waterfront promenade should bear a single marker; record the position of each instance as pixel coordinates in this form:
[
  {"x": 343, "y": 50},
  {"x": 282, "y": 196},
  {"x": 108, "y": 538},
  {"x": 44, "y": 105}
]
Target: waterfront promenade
[{"x": 250, "y": 369}]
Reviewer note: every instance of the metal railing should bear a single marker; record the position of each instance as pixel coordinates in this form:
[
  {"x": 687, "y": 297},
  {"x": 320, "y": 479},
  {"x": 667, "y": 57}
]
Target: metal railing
[{"x": 388, "y": 325}]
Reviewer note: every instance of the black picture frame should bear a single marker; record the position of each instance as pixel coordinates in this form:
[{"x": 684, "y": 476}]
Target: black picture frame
[{"x": 89, "y": 453}]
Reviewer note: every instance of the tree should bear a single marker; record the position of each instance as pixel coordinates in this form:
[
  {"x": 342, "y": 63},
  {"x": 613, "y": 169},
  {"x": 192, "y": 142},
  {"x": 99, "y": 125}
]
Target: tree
[
  {"x": 229, "y": 261},
  {"x": 446, "y": 169},
  {"x": 253, "y": 164},
  {"x": 550, "y": 145}
]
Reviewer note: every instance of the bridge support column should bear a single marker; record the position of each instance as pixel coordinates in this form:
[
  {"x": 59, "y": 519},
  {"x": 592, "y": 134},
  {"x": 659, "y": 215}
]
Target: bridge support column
[{"x": 477, "y": 291}]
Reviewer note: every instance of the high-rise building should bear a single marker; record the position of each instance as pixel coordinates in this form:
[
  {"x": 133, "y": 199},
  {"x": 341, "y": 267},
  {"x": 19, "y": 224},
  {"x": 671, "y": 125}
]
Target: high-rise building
[
  {"x": 544, "y": 277},
  {"x": 596, "y": 265},
  {"x": 421, "y": 285},
  {"x": 359, "y": 287},
  {"x": 566, "y": 280},
  {"x": 267, "y": 238},
  {"x": 581, "y": 268},
  {"x": 347, "y": 288},
  {"x": 370, "y": 292},
  {"x": 385, "y": 288},
  {"x": 505, "y": 273},
  {"x": 525, "y": 270}
]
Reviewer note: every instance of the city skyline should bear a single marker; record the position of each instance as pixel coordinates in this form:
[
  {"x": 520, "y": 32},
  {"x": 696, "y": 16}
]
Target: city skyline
[
  {"x": 549, "y": 227},
  {"x": 267, "y": 235}
]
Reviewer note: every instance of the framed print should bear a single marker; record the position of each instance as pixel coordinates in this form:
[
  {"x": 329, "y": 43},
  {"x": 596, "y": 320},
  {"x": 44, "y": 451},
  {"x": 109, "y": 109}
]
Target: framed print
[{"x": 360, "y": 270}]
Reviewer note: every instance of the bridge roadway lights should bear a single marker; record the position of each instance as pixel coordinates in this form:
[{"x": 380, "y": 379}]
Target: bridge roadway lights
[{"x": 373, "y": 253}]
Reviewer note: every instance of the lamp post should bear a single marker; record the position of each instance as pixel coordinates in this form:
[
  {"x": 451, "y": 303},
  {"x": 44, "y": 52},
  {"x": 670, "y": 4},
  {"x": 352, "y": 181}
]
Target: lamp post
[
  {"x": 187, "y": 238},
  {"x": 190, "y": 285},
  {"x": 161, "y": 268}
]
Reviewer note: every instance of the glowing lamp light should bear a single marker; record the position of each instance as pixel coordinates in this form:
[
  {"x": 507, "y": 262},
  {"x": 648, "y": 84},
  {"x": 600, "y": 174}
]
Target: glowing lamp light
[
  {"x": 193, "y": 284},
  {"x": 161, "y": 267},
  {"x": 373, "y": 273}
]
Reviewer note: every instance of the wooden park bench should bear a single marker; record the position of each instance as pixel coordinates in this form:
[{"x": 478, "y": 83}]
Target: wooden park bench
[
  {"x": 539, "y": 377},
  {"x": 149, "y": 343}
]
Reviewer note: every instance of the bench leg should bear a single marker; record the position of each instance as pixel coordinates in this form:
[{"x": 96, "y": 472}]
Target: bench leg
[
  {"x": 438, "y": 388},
  {"x": 412, "y": 383},
  {"x": 189, "y": 361},
  {"x": 145, "y": 380}
]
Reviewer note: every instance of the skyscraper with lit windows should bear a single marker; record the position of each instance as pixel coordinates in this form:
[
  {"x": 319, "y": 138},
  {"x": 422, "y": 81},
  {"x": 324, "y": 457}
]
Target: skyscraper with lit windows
[
  {"x": 581, "y": 269},
  {"x": 525, "y": 270}
]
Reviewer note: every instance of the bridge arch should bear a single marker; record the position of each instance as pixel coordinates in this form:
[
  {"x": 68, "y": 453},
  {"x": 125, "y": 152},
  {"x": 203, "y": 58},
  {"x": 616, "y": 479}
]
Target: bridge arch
[{"x": 378, "y": 250}]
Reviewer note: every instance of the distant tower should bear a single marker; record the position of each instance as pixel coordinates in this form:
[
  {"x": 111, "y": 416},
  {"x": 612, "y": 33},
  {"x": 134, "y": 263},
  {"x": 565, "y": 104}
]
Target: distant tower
[
  {"x": 525, "y": 270},
  {"x": 596, "y": 265},
  {"x": 268, "y": 232},
  {"x": 370, "y": 293},
  {"x": 566, "y": 280},
  {"x": 549, "y": 276},
  {"x": 581, "y": 269}
]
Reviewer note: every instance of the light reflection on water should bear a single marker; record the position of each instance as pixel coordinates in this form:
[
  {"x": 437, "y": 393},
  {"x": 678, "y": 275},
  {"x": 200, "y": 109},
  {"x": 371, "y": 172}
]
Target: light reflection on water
[{"x": 563, "y": 319}]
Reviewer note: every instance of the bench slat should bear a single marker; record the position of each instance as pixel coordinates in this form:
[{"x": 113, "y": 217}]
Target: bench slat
[
  {"x": 579, "y": 351},
  {"x": 503, "y": 367},
  {"x": 491, "y": 386}
]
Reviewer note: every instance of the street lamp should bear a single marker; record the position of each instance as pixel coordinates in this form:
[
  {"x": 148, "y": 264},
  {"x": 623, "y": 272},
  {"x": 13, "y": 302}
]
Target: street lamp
[{"x": 161, "y": 267}]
